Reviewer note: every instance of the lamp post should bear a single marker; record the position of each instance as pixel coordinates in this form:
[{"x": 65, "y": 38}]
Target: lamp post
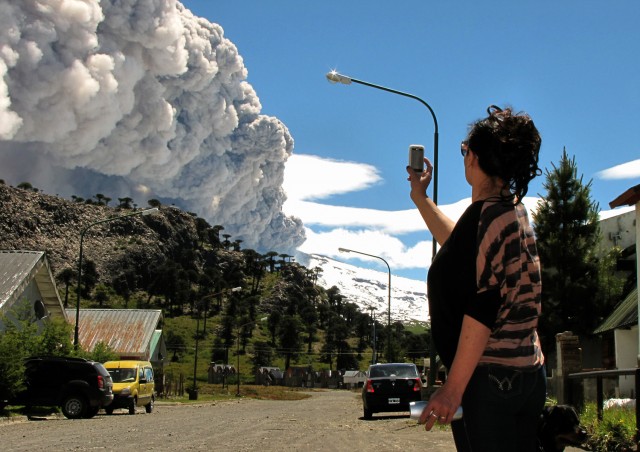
[
  {"x": 373, "y": 317},
  {"x": 345, "y": 250},
  {"x": 335, "y": 77},
  {"x": 82, "y": 233},
  {"x": 193, "y": 395},
  {"x": 238, "y": 352}
]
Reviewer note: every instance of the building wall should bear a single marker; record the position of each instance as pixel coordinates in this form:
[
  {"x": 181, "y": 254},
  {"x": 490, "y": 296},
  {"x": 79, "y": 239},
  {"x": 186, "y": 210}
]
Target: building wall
[
  {"x": 619, "y": 230},
  {"x": 626, "y": 348},
  {"x": 623, "y": 230},
  {"x": 25, "y": 307}
]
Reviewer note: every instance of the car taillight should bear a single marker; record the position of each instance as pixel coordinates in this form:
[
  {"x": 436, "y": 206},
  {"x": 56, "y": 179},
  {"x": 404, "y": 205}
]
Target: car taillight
[
  {"x": 100, "y": 382},
  {"x": 370, "y": 386},
  {"x": 418, "y": 385}
]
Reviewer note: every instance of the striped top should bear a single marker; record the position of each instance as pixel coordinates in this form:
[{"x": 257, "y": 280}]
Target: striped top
[{"x": 489, "y": 270}]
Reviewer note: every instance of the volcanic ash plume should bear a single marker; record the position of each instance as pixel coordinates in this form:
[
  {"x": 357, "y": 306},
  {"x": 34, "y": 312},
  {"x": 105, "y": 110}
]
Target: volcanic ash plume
[{"x": 140, "y": 99}]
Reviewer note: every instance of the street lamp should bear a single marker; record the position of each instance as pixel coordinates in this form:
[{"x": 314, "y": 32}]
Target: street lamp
[
  {"x": 193, "y": 395},
  {"x": 82, "y": 233},
  {"x": 335, "y": 77},
  {"x": 373, "y": 317},
  {"x": 345, "y": 250},
  {"x": 238, "y": 352}
]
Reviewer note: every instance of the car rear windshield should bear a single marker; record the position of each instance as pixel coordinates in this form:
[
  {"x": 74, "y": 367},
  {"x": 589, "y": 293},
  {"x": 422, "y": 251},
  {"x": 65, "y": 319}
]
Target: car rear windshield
[
  {"x": 122, "y": 375},
  {"x": 398, "y": 371}
]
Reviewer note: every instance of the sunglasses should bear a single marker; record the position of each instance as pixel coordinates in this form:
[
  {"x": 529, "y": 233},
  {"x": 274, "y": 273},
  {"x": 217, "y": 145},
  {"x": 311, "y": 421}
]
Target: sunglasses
[{"x": 464, "y": 148}]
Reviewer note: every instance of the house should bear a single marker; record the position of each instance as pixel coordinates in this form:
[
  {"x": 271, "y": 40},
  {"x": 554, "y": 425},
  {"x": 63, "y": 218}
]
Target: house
[
  {"x": 27, "y": 288},
  {"x": 620, "y": 329},
  {"x": 131, "y": 333},
  {"x": 353, "y": 379}
]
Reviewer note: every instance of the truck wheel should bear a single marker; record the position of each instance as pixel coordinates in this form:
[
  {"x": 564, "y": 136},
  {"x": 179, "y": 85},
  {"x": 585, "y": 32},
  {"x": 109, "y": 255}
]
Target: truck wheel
[
  {"x": 368, "y": 414},
  {"x": 74, "y": 406},
  {"x": 91, "y": 412},
  {"x": 132, "y": 406},
  {"x": 149, "y": 406}
]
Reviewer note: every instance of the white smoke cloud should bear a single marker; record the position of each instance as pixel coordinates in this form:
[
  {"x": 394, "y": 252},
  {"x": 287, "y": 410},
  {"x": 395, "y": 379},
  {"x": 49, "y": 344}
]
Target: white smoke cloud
[{"x": 110, "y": 96}]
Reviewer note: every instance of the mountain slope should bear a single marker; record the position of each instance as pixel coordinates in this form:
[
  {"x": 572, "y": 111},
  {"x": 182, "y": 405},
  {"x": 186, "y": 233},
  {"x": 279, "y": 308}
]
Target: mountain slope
[{"x": 368, "y": 289}]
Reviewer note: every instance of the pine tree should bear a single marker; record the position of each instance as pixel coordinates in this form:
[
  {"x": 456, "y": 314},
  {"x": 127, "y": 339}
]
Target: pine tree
[{"x": 567, "y": 232}]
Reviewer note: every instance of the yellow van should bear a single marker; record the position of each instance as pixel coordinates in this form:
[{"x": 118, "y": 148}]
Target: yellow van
[{"x": 133, "y": 385}]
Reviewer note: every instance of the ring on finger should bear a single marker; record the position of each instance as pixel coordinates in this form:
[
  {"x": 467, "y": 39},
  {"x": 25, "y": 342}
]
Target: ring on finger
[{"x": 433, "y": 414}]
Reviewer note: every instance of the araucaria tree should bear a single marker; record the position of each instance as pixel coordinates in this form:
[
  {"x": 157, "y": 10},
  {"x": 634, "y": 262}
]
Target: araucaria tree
[{"x": 567, "y": 231}]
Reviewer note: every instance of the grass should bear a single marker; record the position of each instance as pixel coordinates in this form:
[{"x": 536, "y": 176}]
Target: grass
[
  {"x": 210, "y": 392},
  {"x": 18, "y": 410},
  {"x": 614, "y": 433},
  {"x": 206, "y": 393}
]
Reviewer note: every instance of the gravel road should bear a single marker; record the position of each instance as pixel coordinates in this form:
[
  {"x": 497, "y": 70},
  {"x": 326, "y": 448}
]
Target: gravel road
[{"x": 328, "y": 420}]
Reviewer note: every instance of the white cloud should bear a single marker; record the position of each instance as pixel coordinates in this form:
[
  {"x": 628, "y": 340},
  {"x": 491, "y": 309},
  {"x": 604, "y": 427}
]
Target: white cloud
[
  {"x": 377, "y": 243},
  {"x": 306, "y": 176},
  {"x": 378, "y": 232},
  {"x": 629, "y": 170},
  {"x": 393, "y": 222}
]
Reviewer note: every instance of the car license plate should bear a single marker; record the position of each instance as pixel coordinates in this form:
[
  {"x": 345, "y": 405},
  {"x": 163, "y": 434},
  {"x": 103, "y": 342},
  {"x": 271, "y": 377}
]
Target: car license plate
[{"x": 394, "y": 401}]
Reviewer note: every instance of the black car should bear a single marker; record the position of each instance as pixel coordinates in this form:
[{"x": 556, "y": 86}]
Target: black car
[
  {"x": 390, "y": 387},
  {"x": 78, "y": 386}
]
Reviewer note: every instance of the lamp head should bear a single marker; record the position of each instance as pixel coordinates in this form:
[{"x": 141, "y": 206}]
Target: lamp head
[
  {"x": 344, "y": 250},
  {"x": 236, "y": 289},
  {"x": 335, "y": 77}
]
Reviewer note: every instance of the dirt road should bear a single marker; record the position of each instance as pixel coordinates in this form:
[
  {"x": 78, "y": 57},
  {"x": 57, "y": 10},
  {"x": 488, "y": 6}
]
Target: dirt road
[{"x": 329, "y": 420}]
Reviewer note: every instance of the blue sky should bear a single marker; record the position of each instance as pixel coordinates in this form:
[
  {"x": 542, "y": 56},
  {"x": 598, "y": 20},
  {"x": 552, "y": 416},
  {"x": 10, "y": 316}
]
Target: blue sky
[{"x": 572, "y": 65}]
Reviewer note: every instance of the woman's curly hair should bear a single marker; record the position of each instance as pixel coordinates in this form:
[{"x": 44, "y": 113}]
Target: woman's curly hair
[{"x": 507, "y": 146}]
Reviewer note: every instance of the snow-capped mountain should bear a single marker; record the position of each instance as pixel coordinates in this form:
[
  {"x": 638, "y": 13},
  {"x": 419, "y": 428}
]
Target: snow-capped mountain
[{"x": 368, "y": 289}]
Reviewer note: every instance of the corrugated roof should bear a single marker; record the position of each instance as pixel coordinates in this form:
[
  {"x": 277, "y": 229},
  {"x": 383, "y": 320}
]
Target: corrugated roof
[
  {"x": 17, "y": 269},
  {"x": 129, "y": 332},
  {"x": 624, "y": 315}
]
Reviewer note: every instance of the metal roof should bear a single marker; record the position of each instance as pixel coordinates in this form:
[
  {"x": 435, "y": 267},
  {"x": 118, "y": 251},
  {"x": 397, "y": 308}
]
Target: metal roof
[
  {"x": 129, "y": 332},
  {"x": 17, "y": 269},
  {"x": 625, "y": 315}
]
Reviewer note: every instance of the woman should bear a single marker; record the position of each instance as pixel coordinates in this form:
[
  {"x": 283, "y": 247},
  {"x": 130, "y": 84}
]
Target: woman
[{"x": 484, "y": 291}]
